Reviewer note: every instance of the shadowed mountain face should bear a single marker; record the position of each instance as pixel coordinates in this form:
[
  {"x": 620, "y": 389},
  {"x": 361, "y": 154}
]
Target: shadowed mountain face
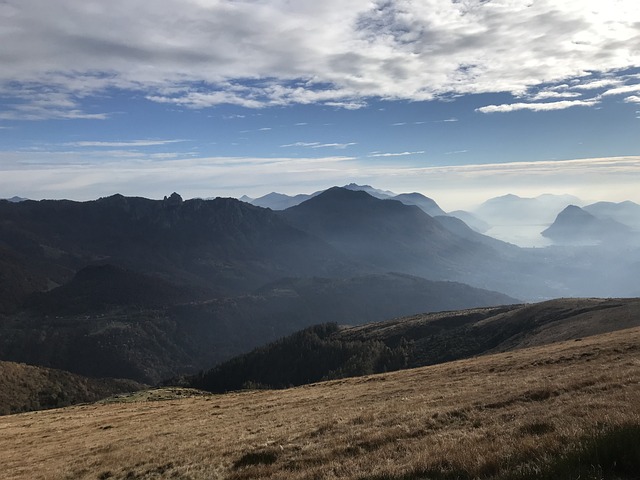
[
  {"x": 117, "y": 323},
  {"x": 328, "y": 351},
  {"x": 102, "y": 287},
  {"x": 575, "y": 225},
  {"x": 386, "y": 234},
  {"x": 222, "y": 245}
]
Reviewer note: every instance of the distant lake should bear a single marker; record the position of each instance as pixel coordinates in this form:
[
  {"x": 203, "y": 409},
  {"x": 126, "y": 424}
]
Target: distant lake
[{"x": 522, "y": 235}]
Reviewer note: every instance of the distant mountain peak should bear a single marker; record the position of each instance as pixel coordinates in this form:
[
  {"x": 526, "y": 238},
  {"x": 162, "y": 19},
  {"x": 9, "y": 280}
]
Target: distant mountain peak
[
  {"x": 574, "y": 210},
  {"x": 16, "y": 199},
  {"x": 374, "y": 192},
  {"x": 575, "y": 224},
  {"x": 173, "y": 200},
  {"x": 341, "y": 193}
]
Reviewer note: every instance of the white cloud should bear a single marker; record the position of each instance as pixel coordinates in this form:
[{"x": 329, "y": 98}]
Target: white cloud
[
  {"x": 347, "y": 105},
  {"x": 133, "y": 143},
  {"x": 547, "y": 94},
  {"x": 538, "y": 107},
  {"x": 633, "y": 99},
  {"x": 595, "y": 84},
  {"x": 300, "y": 144},
  {"x": 455, "y": 152},
  {"x": 622, "y": 90},
  {"x": 318, "y": 145},
  {"x": 198, "y": 53},
  {"x": 334, "y": 145},
  {"x": 400, "y": 154}
]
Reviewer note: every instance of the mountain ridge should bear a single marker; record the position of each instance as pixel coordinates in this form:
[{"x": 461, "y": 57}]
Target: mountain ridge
[{"x": 329, "y": 351}]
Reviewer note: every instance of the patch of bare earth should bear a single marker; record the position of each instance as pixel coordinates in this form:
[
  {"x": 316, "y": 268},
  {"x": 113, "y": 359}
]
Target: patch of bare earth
[{"x": 480, "y": 416}]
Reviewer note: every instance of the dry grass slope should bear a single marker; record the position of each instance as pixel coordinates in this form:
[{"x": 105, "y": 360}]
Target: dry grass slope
[
  {"x": 509, "y": 415},
  {"x": 26, "y": 387}
]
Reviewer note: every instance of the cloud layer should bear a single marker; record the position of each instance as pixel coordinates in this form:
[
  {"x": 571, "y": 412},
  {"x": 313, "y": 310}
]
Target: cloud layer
[
  {"x": 257, "y": 53},
  {"x": 93, "y": 173}
]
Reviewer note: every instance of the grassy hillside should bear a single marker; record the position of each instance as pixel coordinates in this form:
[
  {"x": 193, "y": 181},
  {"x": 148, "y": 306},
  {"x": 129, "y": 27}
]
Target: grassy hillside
[
  {"x": 25, "y": 388},
  {"x": 329, "y": 352},
  {"x": 567, "y": 410}
]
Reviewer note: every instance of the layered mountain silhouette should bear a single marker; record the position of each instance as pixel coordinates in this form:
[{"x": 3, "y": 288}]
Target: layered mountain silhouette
[
  {"x": 627, "y": 213},
  {"x": 280, "y": 201},
  {"x": 514, "y": 210}
]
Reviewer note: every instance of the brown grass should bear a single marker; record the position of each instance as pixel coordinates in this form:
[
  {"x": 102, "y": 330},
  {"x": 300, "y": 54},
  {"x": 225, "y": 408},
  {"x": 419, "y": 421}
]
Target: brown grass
[
  {"x": 479, "y": 416},
  {"x": 25, "y": 387}
]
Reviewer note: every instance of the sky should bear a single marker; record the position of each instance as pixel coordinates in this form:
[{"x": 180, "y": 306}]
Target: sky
[{"x": 460, "y": 100}]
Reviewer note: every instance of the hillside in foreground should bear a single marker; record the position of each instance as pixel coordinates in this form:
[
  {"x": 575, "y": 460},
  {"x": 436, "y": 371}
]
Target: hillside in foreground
[
  {"x": 26, "y": 387},
  {"x": 565, "y": 410},
  {"x": 330, "y": 351}
]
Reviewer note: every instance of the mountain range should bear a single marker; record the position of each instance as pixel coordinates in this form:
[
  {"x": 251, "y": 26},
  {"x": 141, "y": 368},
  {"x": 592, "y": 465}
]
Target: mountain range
[
  {"x": 514, "y": 210},
  {"x": 280, "y": 201},
  {"x": 150, "y": 289}
]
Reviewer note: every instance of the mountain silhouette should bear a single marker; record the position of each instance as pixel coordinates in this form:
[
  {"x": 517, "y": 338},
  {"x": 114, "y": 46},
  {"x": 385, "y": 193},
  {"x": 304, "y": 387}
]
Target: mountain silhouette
[
  {"x": 387, "y": 234},
  {"x": 627, "y": 213},
  {"x": 576, "y": 225},
  {"x": 223, "y": 245}
]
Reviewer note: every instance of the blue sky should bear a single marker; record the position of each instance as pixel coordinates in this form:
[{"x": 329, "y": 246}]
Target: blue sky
[{"x": 459, "y": 100}]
